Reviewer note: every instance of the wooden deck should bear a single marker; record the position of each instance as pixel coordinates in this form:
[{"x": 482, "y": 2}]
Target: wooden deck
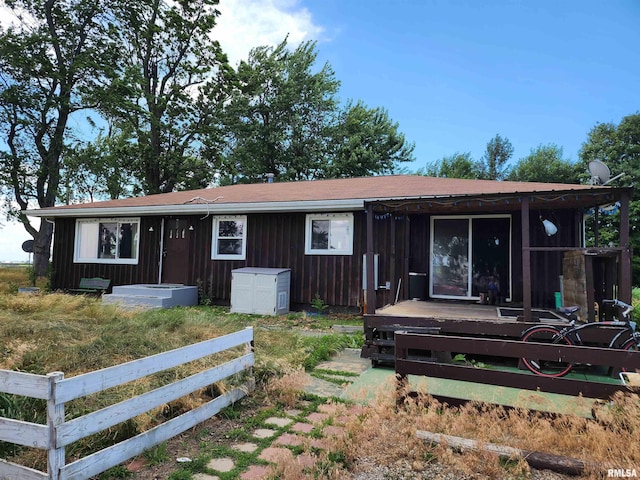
[
  {"x": 421, "y": 338},
  {"x": 454, "y": 319},
  {"x": 455, "y": 311},
  {"x": 441, "y": 309}
]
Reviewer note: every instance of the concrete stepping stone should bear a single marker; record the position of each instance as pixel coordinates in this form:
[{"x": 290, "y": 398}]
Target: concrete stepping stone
[
  {"x": 278, "y": 421},
  {"x": 302, "y": 427},
  {"x": 289, "y": 439},
  {"x": 293, "y": 412},
  {"x": 276, "y": 454},
  {"x": 317, "y": 417},
  {"x": 332, "y": 431},
  {"x": 205, "y": 476},
  {"x": 246, "y": 447},
  {"x": 263, "y": 433},
  {"x": 221, "y": 464},
  {"x": 255, "y": 472}
]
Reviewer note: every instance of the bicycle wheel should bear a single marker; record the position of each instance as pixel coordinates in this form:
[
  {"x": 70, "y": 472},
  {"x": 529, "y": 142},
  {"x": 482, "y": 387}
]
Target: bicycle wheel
[
  {"x": 632, "y": 346},
  {"x": 546, "y": 368}
]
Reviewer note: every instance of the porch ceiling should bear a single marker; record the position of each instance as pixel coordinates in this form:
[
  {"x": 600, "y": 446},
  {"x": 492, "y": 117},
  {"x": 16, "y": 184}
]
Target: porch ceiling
[{"x": 501, "y": 202}]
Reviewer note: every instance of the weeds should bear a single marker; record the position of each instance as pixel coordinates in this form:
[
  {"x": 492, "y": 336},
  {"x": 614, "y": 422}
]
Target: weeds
[
  {"x": 75, "y": 334},
  {"x": 287, "y": 389}
]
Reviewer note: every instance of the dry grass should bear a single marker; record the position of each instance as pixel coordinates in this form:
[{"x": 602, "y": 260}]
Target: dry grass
[
  {"x": 386, "y": 435},
  {"x": 288, "y": 388},
  {"x": 75, "y": 334}
]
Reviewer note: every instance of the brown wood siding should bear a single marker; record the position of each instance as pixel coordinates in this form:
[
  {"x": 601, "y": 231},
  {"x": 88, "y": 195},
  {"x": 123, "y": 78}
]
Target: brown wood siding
[
  {"x": 67, "y": 274},
  {"x": 546, "y": 267},
  {"x": 390, "y": 231},
  {"x": 276, "y": 240},
  {"x": 419, "y": 243}
]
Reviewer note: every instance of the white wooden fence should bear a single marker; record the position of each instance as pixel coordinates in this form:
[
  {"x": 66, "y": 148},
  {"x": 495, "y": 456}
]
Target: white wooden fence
[{"x": 57, "y": 390}]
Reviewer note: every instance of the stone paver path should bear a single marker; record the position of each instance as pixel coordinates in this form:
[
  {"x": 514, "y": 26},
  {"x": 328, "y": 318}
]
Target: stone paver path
[
  {"x": 295, "y": 439},
  {"x": 294, "y": 444}
]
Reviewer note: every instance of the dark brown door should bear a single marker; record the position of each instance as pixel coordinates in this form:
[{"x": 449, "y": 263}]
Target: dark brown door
[{"x": 175, "y": 264}]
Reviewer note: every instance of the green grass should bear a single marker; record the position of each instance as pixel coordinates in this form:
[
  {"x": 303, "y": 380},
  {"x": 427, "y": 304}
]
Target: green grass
[{"x": 73, "y": 334}]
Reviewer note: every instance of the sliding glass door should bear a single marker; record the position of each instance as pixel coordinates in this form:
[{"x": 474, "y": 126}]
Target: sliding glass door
[{"x": 468, "y": 253}]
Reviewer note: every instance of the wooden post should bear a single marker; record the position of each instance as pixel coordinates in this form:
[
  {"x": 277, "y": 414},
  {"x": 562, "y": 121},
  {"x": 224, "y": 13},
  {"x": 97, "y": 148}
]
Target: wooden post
[
  {"x": 526, "y": 260},
  {"x": 370, "y": 291},
  {"x": 407, "y": 253},
  {"x": 624, "y": 282},
  {"x": 589, "y": 287},
  {"x": 55, "y": 417}
]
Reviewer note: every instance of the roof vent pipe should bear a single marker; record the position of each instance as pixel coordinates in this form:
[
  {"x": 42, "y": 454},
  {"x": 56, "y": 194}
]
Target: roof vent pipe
[{"x": 270, "y": 177}]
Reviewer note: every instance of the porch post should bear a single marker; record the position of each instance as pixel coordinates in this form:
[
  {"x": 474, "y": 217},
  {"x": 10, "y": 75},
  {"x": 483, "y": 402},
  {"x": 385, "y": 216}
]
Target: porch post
[
  {"x": 370, "y": 291},
  {"x": 526, "y": 260},
  {"x": 624, "y": 280}
]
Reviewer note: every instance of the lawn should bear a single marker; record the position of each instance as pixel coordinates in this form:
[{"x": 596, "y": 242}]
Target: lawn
[{"x": 75, "y": 334}]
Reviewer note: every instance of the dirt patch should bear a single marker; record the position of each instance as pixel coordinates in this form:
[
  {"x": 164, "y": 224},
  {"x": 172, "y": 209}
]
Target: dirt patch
[{"x": 213, "y": 432}]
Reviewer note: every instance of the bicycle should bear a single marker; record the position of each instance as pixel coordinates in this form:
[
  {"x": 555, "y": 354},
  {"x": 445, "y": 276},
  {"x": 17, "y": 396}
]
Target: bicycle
[{"x": 626, "y": 339}]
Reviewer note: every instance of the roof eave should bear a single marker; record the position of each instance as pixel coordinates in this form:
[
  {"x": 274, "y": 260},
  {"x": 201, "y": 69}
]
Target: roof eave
[{"x": 194, "y": 209}]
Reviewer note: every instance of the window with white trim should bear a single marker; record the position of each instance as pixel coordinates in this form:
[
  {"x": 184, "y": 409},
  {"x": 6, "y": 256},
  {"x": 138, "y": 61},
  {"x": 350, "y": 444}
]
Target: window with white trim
[
  {"x": 229, "y": 238},
  {"x": 329, "y": 234},
  {"x": 107, "y": 240}
]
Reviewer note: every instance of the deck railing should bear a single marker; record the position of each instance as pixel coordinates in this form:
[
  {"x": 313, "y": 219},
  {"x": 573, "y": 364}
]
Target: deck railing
[
  {"x": 56, "y": 391},
  {"x": 411, "y": 358}
]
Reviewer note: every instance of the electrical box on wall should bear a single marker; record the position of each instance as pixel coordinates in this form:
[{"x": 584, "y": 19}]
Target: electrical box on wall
[
  {"x": 262, "y": 291},
  {"x": 376, "y": 259}
]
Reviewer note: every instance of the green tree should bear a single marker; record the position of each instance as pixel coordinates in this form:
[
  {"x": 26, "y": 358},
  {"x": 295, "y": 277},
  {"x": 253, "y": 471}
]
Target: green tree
[
  {"x": 458, "y": 165},
  {"x": 172, "y": 81},
  {"x": 494, "y": 162},
  {"x": 48, "y": 62},
  {"x": 366, "y": 142},
  {"x": 278, "y": 119},
  {"x": 545, "y": 164},
  {"x": 618, "y": 146},
  {"x": 100, "y": 168},
  {"x": 284, "y": 119}
]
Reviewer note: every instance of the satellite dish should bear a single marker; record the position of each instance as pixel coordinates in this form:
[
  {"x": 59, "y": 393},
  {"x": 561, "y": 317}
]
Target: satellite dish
[
  {"x": 27, "y": 246},
  {"x": 600, "y": 173}
]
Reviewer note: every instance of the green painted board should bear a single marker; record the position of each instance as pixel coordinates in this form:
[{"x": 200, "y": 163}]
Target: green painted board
[{"x": 361, "y": 390}]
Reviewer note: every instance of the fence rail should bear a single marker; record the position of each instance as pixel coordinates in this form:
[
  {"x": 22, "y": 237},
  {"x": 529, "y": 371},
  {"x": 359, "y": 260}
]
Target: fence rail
[{"x": 56, "y": 390}]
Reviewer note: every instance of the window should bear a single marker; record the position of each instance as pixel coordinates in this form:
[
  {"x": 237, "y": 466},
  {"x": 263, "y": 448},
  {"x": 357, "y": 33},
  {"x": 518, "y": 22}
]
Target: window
[
  {"x": 329, "y": 234},
  {"x": 107, "y": 240},
  {"x": 229, "y": 238}
]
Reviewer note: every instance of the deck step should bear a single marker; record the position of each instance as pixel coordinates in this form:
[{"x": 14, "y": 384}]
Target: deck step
[{"x": 151, "y": 295}]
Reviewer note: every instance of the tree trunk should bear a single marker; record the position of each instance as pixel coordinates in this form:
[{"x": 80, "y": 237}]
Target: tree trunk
[{"x": 42, "y": 248}]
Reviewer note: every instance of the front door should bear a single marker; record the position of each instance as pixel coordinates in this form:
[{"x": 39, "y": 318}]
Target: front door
[
  {"x": 470, "y": 255},
  {"x": 175, "y": 261}
]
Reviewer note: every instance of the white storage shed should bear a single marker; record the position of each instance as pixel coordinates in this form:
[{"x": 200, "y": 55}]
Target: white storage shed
[{"x": 263, "y": 291}]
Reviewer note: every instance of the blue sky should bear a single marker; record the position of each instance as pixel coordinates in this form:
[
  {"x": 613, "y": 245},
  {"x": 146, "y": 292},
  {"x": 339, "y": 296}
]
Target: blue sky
[{"x": 455, "y": 73}]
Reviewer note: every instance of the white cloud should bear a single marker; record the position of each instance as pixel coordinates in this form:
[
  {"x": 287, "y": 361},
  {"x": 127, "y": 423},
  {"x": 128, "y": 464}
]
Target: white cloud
[{"x": 246, "y": 24}]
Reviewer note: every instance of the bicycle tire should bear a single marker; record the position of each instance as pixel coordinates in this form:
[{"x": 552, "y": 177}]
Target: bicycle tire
[
  {"x": 546, "y": 368},
  {"x": 632, "y": 346}
]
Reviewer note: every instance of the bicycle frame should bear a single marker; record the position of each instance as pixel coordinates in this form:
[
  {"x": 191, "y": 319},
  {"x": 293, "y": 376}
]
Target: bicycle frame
[
  {"x": 573, "y": 332},
  {"x": 626, "y": 338}
]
